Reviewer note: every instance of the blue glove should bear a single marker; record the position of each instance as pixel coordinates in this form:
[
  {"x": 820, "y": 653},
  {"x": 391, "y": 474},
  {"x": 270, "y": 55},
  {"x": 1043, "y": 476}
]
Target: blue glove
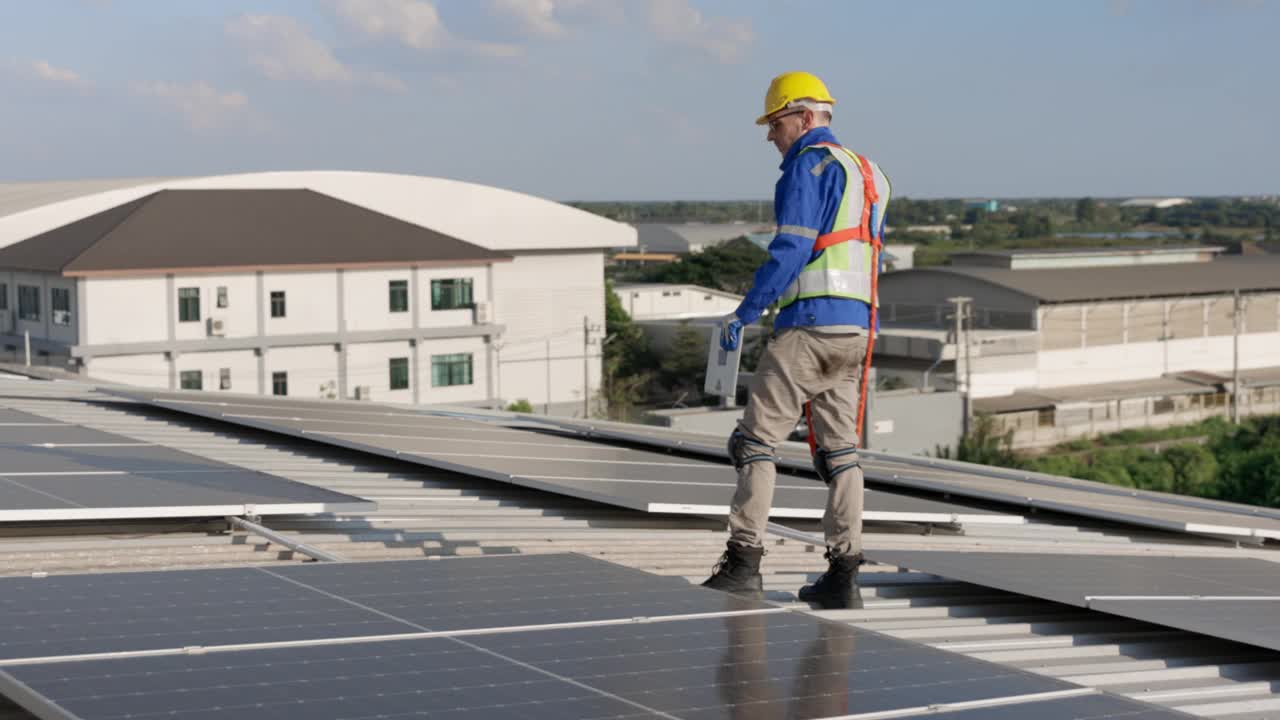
[{"x": 730, "y": 333}]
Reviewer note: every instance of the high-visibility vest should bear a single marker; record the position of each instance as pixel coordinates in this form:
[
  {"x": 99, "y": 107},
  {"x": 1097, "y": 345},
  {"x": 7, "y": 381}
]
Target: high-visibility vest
[{"x": 842, "y": 267}]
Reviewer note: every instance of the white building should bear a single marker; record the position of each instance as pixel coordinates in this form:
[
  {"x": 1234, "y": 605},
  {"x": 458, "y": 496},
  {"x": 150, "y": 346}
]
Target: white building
[
  {"x": 660, "y": 301},
  {"x": 1098, "y": 348},
  {"x": 314, "y": 284},
  {"x": 1158, "y": 203}
]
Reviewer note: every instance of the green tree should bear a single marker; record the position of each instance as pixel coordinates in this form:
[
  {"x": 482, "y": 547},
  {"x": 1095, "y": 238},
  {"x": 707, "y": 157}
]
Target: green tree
[
  {"x": 522, "y": 406},
  {"x": 1195, "y": 470},
  {"x": 628, "y": 360},
  {"x": 683, "y": 368},
  {"x": 1086, "y": 210},
  {"x": 729, "y": 267},
  {"x": 984, "y": 445}
]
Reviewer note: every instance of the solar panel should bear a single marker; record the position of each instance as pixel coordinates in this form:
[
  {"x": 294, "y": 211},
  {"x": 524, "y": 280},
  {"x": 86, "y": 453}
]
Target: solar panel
[
  {"x": 956, "y": 479},
  {"x": 766, "y": 666},
  {"x": 1250, "y": 621},
  {"x": 636, "y": 479},
  {"x": 434, "y": 677},
  {"x": 1223, "y": 597},
  {"x": 58, "y": 471},
  {"x": 141, "y": 611},
  {"x": 755, "y": 665}
]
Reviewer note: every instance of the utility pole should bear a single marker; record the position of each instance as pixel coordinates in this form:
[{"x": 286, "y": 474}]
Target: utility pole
[
  {"x": 1236, "y": 311},
  {"x": 586, "y": 367},
  {"x": 961, "y": 335}
]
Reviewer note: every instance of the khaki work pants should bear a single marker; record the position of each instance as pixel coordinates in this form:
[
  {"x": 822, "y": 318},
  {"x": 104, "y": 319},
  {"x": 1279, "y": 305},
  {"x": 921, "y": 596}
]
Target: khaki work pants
[{"x": 799, "y": 365}]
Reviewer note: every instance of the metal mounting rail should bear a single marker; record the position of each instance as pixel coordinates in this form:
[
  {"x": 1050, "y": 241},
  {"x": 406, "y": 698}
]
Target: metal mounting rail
[{"x": 283, "y": 540}]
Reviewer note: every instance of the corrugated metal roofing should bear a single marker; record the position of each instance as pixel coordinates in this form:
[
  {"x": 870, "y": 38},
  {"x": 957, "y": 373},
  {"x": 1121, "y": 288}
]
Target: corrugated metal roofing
[
  {"x": 427, "y": 513},
  {"x": 202, "y": 229},
  {"x": 1252, "y": 274}
]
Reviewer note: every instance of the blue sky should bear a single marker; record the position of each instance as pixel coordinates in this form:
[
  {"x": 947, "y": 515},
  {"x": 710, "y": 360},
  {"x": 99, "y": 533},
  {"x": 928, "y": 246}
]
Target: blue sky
[{"x": 648, "y": 99}]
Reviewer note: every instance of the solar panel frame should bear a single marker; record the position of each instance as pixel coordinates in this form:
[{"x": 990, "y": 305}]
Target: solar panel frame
[
  {"x": 695, "y": 669},
  {"x": 1124, "y": 585},
  {"x": 382, "y": 430},
  {"x": 957, "y": 479},
  {"x": 147, "y": 613},
  {"x": 1253, "y": 621}
]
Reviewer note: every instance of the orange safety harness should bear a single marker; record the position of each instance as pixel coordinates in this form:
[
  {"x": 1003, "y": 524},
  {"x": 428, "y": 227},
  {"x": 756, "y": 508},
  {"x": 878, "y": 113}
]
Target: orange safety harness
[{"x": 866, "y": 231}]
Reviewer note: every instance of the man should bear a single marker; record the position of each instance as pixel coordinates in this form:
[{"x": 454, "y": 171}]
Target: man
[{"x": 829, "y": 205}]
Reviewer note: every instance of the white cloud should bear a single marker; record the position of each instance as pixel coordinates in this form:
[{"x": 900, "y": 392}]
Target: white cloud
[
  {"x": 529, "y": 17},
  {"x": 678, "y": 22},
  {"x": 203, "y": 106},
  {"x": 415, "y": 24},
  {"x": 283, "y": 49},
  {"x": 43, "y": 70}
]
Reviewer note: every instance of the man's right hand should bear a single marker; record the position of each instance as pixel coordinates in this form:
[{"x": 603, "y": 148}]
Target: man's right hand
[{"x": 730, "y": 333}]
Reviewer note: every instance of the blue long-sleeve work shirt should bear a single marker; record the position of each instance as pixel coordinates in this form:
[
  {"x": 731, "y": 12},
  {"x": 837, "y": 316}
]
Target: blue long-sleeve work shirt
[{"x": 802, "y": 201}]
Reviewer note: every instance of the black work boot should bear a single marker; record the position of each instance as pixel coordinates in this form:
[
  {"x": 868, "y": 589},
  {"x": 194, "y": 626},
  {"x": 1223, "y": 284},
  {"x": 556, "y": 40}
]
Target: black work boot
[
  {"x": 738, "y": 571},
  {"x": 837, "y": 589}
]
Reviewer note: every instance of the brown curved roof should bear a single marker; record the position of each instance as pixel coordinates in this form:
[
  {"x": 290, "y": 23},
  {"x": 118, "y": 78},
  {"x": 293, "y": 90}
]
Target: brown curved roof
[{"x": 243, "y": 229}]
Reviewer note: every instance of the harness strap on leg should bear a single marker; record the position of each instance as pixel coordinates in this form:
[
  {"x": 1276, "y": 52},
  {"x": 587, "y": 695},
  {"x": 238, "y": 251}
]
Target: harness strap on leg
[
  {"x": 744, "y": 449},
  {"x": 828, "y": 465}
]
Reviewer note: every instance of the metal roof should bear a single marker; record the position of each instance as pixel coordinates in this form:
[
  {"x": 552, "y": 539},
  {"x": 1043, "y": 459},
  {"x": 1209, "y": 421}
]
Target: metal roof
[
  {"x": 16, "y": 197},
  {"x": 1091, "y": 251},
  {"x": 493, "y": 218},
  {"x": 1048, "y": 397},
  {"x": 424, "y": 512},
  {"x": 250, "y": 229},
  {"x": 1060, "y": 285}
]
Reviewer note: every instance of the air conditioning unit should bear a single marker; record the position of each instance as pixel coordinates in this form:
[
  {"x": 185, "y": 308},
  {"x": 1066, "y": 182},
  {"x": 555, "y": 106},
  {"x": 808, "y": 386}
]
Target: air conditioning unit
[
  {"x": 217, "y": 327},
  {"x": 363, "y": 393},
  {"x": 484, "y": 313}
]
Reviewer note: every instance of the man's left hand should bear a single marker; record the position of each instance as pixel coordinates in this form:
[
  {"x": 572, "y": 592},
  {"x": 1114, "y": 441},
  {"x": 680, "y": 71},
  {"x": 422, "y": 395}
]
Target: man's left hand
[{"x": 730, "y": 333}]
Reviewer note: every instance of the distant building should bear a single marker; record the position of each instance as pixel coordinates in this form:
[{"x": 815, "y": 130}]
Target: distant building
[
  {"x": 1158, "y": 203},
  {"x": 1058, "y": 335},
  {"x": 987, "y": 205},
  {"x": 1085, "y": 257},
  {"x": 899, "y": 257},
  {"x": 944, "y": 230},
  {"x": 658, "y": 301},
  {"x": 685, "y": 238},
  {"x": 310, "y": 284}
]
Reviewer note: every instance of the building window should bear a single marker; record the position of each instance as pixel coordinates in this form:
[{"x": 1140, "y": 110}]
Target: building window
[
  {"x": 188, "y": 304},
  {"x": 399, "y": 289},
  {"x": 222, "y": 296},
  {"x": 28, "y": 303},
  {"x": 451, "y": 294},
  {"x": 4, "y": 296},
  {"x": 191, "y": 380},
  {"x": 60, "y": 306},
  {"x": 399, "y": 373},
  {"x": 277, "y": 303},
  {"x": 1046, "y": 417},
  {"x": 279, "y": 383},
  {"x": 452, "y": 369},
  {"x": 224, "y": 379}
]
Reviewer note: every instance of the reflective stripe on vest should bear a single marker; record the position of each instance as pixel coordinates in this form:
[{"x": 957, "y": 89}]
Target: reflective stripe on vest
[{"x": 842, "y": 268}]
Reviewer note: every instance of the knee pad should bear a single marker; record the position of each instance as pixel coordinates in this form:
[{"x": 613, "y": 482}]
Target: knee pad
[
  {"x": 744, "y": 449},
  {"x": 831, "y": 464}
]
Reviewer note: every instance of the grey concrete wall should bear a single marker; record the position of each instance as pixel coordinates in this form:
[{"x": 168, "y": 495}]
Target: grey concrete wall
[
  {"x": 906, "y": 422},
  {"x": 914, "y": 423}
]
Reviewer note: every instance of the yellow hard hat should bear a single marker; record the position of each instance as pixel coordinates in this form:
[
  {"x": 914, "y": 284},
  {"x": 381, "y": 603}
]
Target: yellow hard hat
[{"x": 792, "y": 86}]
